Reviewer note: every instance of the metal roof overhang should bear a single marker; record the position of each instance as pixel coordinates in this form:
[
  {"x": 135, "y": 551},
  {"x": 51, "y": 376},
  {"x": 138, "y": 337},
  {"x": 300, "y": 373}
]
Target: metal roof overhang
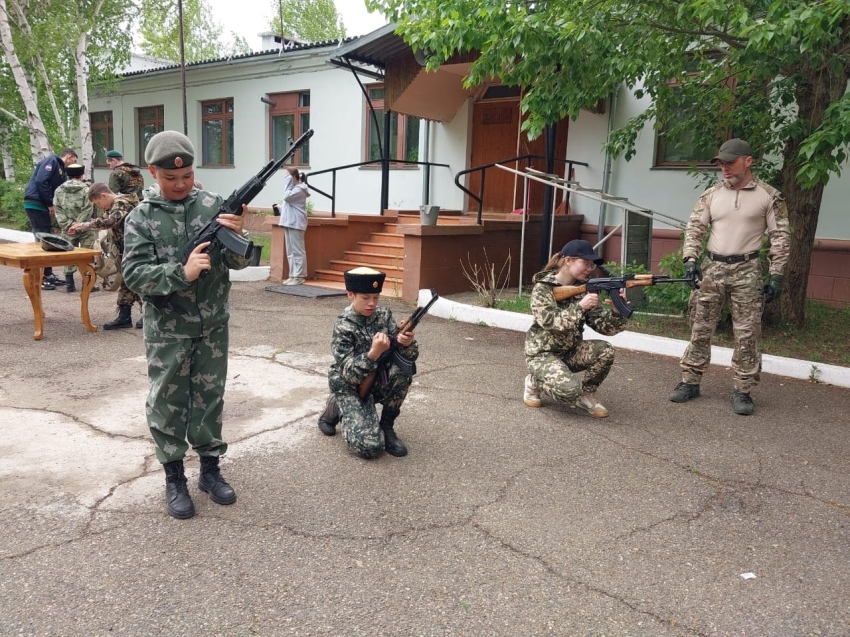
[{"x": 434, "y": 95}]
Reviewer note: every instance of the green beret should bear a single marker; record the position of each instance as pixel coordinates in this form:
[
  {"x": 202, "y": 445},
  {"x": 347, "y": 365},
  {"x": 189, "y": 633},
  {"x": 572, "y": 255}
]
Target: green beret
[
  {"x": 170, "y": 149},
  {"x": 364, "y": 281},
  {"x": 75, "y": 170},
  {"x": 115, "y": 154}
]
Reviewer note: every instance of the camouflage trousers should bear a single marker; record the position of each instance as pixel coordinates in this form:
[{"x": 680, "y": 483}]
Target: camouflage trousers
[
  {"x": 186, "y": 393},
  {"x": 739, "y": 285},
  {"x": 360, "y": 427},
  {"x": 126, "y": 297},
  {"x": 80, "y": 240},
  {"x": 556, "y": 373}
]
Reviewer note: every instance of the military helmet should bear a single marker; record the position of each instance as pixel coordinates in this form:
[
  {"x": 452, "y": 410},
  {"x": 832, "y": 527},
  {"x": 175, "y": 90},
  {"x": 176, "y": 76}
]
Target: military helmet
[{"x": 54, "y": 243}]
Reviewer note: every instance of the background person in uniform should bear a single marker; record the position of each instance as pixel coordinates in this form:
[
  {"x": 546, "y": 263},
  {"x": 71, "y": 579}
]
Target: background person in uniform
[
  {"x": 117, "y": 208},
  {"x": 293, "y": 220},
  {"x": 186, "y": 318},
  {"x": 48, "y": 175},
  {"x": 738, "y": 210},
  {"x": 555, "y": 350},
  {"x": 361, "y": 334},
  {"x": 71, "y": 205},
  {"x": 125, "y": 179}
]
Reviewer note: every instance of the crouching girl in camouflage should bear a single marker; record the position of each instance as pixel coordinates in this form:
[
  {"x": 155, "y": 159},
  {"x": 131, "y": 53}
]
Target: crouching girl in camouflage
[{"x": 554, "y": 348}]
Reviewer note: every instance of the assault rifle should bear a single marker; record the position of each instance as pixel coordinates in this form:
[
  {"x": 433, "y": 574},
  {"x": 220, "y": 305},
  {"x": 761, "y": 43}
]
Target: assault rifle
[
  {"x": 392, "y": 355},
  {"x": 218, "y": 234},
  {"x": 614, "y": 284}
]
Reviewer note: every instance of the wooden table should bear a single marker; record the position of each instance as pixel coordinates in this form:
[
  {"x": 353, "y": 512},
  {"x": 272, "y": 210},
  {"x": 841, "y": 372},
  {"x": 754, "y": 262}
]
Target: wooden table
[{"x": 33, "y": 259}]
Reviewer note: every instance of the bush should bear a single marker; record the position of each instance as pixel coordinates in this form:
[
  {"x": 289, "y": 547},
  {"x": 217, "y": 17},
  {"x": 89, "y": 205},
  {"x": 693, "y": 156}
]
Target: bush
[{"x": 12, "y": 213}]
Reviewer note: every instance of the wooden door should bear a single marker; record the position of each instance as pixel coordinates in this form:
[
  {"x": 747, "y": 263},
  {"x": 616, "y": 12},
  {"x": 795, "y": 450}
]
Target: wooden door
[{"x": 495, "y": 128}]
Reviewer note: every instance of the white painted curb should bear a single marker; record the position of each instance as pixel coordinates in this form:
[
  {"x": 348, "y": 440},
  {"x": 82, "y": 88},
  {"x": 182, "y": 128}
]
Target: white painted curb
[
  {"x": 17, "y": 236},
  {"x": 779, "y": 365},
  {"x": 251, "y": 273}
]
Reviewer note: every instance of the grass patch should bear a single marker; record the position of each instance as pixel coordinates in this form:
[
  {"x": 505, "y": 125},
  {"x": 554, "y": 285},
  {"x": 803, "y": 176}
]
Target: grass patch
[
  {"x": 823, "y": 339},
  {"x": 263, "y": 239}
]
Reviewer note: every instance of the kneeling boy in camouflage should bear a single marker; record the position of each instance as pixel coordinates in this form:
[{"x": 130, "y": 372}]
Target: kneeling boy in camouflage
[{"x": 361, "y": 334}]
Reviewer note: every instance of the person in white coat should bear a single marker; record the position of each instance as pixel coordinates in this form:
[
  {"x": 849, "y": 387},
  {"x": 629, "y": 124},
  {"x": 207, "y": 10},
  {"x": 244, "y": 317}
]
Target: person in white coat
[{"x": 293, "y": 220}]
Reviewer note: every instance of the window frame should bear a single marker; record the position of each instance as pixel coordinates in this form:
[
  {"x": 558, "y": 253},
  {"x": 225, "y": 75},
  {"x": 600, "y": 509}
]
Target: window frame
[
  {"x": 226, "y": 118},
  {"x": 110, "y": 135},
  {"x": 291, "y": 103},
  {"x": 158, "y": 122},
  {"x": 402, "y": 120}
]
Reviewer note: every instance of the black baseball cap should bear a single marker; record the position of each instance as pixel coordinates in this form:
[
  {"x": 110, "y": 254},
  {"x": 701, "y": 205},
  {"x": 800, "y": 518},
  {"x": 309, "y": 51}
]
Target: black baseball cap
[{"x": 581, "y": 248}]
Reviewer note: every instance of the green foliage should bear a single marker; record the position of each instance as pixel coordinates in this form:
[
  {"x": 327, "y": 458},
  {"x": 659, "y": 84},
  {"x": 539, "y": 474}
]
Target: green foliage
[
  {"x": 12, "y": 213},
  {"x": 308, "y": 20},
  {"x": 159, "y": 27}
]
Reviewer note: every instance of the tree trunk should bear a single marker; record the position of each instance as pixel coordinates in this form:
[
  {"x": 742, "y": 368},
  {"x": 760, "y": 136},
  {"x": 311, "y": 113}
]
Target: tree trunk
[
  {"x": 38, "y": 134},
  {"x": 6, "y": 152},
  {"x": 815, "y": 92},
  {"x": 81, "y": 64}
]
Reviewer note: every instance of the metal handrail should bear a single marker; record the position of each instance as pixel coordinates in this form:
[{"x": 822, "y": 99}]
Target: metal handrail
[
  {"x": 527, "y": 157},
  {"x": 334, "y": 170}
]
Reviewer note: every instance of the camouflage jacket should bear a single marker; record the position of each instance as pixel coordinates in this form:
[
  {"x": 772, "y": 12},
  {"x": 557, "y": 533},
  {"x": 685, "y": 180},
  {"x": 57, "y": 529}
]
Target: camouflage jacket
[
  {"x": 351, "y": 341},
  {"x": 71, "y": 203},
  {"x": 158, "y": 230},
  {"x": 114, "y": 220},
  {"x": 127, "y": 179},
  {"x": 558, "y": 325}
]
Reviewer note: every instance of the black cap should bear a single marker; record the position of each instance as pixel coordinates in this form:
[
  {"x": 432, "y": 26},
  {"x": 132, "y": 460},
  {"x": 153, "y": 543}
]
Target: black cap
[
  {"x": 581, "y": 248},
  {"x": 75, "y": 170},
  {"x": 364, "y": 280}
]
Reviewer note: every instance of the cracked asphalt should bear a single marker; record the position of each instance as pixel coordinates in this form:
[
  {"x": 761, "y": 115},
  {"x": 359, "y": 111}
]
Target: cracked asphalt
[{"x": 502, "y": 520}]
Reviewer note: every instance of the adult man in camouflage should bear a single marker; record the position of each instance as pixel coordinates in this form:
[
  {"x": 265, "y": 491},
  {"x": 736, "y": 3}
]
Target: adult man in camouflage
[
  {"x": 71, "y": 205},
  {"x": 738, "y": 210},
  {"x": 117, "y": 208},
  {"x": 125, "y": 179}
]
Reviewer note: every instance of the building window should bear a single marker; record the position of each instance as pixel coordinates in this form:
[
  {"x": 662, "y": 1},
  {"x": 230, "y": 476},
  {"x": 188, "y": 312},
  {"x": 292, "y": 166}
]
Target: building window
[
  {"x": 102, "y": 136},
  {"x": 289, "y": 118},
  {"x": 404, "y": 130},
  {"x": 151, "y": 120},
  {"x": 217, "y": 132}
]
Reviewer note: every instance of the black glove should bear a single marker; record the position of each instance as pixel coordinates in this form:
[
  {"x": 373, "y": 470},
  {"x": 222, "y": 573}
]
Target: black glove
[
  {"x": 773, "y": 288},
  {"x": 693, "y": 273}
]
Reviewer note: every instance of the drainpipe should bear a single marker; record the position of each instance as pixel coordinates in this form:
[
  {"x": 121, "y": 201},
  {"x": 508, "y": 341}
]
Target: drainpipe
[
  {"x": 546, "y": 227},
  {"x": 426, "y": 157},
  {"x": 385, "y": 164},
  {"x": 606, "y": 172}
]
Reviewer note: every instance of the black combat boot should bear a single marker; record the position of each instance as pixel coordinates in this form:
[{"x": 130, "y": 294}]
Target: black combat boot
[
  {"x": 177, "y": 498},
  {"x": 210, "y": 481},
  {"x": 69, "y": 283},
  {"x": 121, "y": 321},
  {"x": 392, "y": 444},
  {"x": 329, "y": 418}
]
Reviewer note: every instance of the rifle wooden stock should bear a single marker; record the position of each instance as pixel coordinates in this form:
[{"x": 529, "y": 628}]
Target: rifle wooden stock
[
  {"x": 365, "y": 386},
  {"x": 562, "y": 292}
]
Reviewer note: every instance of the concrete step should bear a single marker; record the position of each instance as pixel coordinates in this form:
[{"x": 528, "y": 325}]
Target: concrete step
[
  {"x": 388, "y": 237},
  {"x": 376, "y": 258},
  {"x": 382, "y": 248},
  {"x": 340, "y": 265}
]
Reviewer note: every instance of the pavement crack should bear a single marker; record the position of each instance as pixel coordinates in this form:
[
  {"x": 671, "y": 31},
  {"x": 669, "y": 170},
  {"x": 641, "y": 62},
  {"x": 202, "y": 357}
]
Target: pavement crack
[{"x": 79, "y": 421}]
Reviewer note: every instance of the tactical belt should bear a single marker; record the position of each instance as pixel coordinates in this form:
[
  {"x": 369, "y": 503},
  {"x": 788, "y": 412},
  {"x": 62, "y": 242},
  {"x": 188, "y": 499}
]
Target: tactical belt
[{"x": 734, "y": 258}]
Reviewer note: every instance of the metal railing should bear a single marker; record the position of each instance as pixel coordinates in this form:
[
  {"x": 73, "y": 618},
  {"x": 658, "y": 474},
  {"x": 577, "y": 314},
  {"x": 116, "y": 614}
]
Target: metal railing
[
  {"x": 335, "y": 169},
  {"x": 483, "y": 170}
]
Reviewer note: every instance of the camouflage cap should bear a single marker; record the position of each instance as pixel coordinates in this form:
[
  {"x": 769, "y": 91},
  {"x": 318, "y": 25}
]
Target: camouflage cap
[
  {"x": 731, "y": 150},
  {"x": 170, "y": 149},
  {"x": 114, "y": 154},
  {"x": 364, "y": 280},
  {"x": 54, "y": 243}
]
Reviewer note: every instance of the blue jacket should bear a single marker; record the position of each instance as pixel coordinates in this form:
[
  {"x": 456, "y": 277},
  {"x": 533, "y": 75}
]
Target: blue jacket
[{"x": 48, "y": 175}]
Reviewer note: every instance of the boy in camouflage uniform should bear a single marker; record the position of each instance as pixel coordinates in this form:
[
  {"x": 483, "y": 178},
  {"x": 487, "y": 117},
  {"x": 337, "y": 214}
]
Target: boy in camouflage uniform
[
  {"x": 186, "y": 319},
  {"x": 117, "y": 207},
  {"x": 554, "y": 346},
  {"x": 739, "y": 210},
  {"x": 361, "y": 334},
  {"x": 125, "y": 179},
  {"x": 71, "y": 205}
]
